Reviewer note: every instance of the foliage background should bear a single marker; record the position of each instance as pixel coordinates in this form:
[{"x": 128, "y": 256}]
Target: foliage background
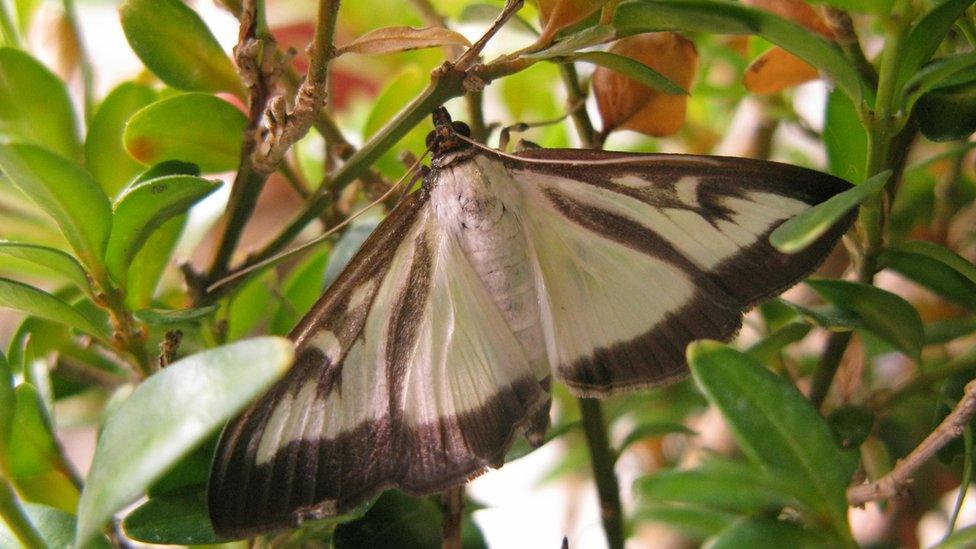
[{"x": 102, "y": 202}]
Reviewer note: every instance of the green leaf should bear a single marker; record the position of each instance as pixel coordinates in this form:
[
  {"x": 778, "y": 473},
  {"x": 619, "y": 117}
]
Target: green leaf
[
  {"x": 65, "y": 192},
  {"x": 143, "y": 208},
  {"x": 35, "y": 302},
  {"x": 948, "y": 113},
  {"x": 883, "y": 313},
  {"x": 652, "y": 430},
  {"x": 105, "y": 156},
  {"x": 387, "y": 104},
  {"x": 724, "y": 18},
  {"x": 845, "y": 139},
  {"x": 925, "y": 37},
  {"x": 147, "y": 267},
  {"x": 851, "y": 425},
  {"x": 770, "y": 346},
  {"x": 936, "y": 74},
  {"x": 630, "y": 68},
  {"x": 34, "y": 105},
  {"x": 696, "y": 522},
  {"x": 192, "y": 127},
  {"x": 176, "y": 519},
  {"x": 250, "y": 305},
  {"x": 800, "y": 231},
  {"x": 190, "y": 474},
  {"x": 944, "y": 331},
  {"x": 858, "y": 6},
  {"x": 301, "y": 290},
  {"x": 935, "y": 267},
  {"x": 50, "y": 259},
  {"x": 16, "y": 529},
  {"x": 167, "y": 416},
  {"x": 960, "y": 539},
  {"x": 724, "y": 485},
  {"x": 165, "y": 168},
  {"x": 774, "y": 424},
  {"x": 172, "y": 317},
  {"x": 7, "y": 402},
  {"x": 56, "y": 527},
  {"x": 761, "y": 533},
  {"x": 176, "y": 45}
]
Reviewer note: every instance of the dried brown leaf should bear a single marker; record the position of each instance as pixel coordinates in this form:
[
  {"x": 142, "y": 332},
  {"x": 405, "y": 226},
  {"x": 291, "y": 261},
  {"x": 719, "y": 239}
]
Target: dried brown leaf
[
  {"x": 397, "y": 39},
  {"x": 627, "y": 104},
  {"x": 559, "y": 14},
  {"x": 796, "y": 11},
  {"x": 776, "y": 70}
]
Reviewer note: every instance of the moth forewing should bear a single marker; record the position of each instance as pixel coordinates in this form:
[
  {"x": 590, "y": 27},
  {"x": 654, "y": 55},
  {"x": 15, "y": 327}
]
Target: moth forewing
[{"x": 436, "y": 345}]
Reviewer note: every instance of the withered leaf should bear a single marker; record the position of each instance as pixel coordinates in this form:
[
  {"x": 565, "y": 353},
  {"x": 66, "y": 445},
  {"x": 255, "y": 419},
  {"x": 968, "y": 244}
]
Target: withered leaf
[{"x": 397, "y": 39}]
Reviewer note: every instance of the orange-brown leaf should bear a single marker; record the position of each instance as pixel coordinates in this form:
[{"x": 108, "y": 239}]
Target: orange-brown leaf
[
  {"x": 627, "y": 104},
  {"x": 395, "y": 39},
  {"x": 796, "y": 11},
  {"x": 559, "y": 14},
  {"x": 776, "y": 70}
]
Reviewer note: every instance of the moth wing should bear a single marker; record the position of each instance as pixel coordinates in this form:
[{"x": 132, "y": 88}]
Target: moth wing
[
  {"x": 406, "y": 376},
  {"x": 639, "y": 255}
]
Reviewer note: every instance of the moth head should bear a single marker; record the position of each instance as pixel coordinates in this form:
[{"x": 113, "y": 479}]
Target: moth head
[{"x": 444, "y": 138}]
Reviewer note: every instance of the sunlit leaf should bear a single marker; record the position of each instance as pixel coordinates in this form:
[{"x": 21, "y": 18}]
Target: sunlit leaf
[
  {"x": 34, "y": 105},
  {"x": 105, "y": 156},
  {"x": 845, "y": 139},
  {"x": 144, "y": 208},
  {"x": 925, "y": 36},
  {"x": 50, "y": 259},
  {"x": 802, "y": 230},
  {"x": 176, "y": 45},
  {"x": 170, "y": 317},
  {"x": 175, "y": 519},
  {"x": 33, "y": 301},
  {"x": 167, "y": 416},
  {"x": 193, "y": 127},
  {"x": 65, "y": 192}
]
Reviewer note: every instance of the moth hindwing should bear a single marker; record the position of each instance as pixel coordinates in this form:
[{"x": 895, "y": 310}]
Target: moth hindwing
[{"x": 436, "y": 346}]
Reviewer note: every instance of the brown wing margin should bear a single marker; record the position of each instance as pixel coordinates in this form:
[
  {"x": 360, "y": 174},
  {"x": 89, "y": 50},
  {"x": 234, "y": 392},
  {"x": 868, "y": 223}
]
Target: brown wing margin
[
  {"x": 723, "y": 293},
  {"x": 245, "y": 498}
]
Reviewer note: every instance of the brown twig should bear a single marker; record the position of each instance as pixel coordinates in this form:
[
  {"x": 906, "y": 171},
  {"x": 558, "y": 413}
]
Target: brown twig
[
  {"x": 900, "y": 477},
  {"x": 841, "y": 24},
  {"x": 452, "y": 502}
]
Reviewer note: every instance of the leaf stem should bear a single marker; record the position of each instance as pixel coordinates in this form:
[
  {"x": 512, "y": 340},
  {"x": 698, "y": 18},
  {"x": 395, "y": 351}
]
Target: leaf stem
[{"x": 602, "y": 460}]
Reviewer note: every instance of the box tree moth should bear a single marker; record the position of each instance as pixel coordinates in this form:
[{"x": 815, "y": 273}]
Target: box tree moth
[{"x": 436, "y": 346}]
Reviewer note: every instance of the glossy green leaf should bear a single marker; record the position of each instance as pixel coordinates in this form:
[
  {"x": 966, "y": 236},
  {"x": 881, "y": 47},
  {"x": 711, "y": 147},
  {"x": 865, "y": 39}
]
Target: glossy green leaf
[
  {"x": 165, "y": 168},
  {"x": 176, "y": 45},
  {"x": 925, "y": 36},
  {"x": 652, "y": 430},
  {"x": 172, "y": 317},
  {"x": 696, "y": 522},
  {"x": 51, "y": 259},
  {"x": 188, "y": 475},
  {"x": 192, "y": 127},
  {"x": 65, "y": 192},
  {"x": 167, "y": 416},
  {"x": 845, "y": 139},
  {"x": 28, "y": 299},
  {"x": 632, "y": 69},
  {"x": 883, "y": 313},
  {"x": 301, "y": 290},
  {"x": 105, "y": 156},
  {"x": 16, "y": 529},
  {"x": 724, "y": 18},
  {"x": 176, "y": 519},
  {"x": 935, "y": 267},
  {"x": 148, "y": 265},
  {"x": 762, "y": 533},
  {"x": 800, "y": 231},
  {"x": 724, "y": 485},
  {"x": 143, "y": 208},
  {"x": 773, "y": 423},
  {"x": 34, "y": 105},
  {"x": 56, "y": 527}
]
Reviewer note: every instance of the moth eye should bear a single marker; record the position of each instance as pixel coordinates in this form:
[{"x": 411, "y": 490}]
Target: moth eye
[
  {"x": 429, "y": 141},
  {"x": 461, "y": 128}
]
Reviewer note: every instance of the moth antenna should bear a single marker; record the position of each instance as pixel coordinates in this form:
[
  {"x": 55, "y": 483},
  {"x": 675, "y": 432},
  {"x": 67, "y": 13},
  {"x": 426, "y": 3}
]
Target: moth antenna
[
  {"x": 319, "y": 239},
  {"x": 505, "y": 134}
]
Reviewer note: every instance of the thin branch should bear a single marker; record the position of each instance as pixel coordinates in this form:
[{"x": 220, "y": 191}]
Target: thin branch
[
  {"x": 900, "y": 477},
  {"x": 452, "y": 503},
  {"x": 602, "y": 460},
  {"x": 841, "y": 24},
  {"x": 823, "y": 376},
  {"x": 576, "y": 101}
]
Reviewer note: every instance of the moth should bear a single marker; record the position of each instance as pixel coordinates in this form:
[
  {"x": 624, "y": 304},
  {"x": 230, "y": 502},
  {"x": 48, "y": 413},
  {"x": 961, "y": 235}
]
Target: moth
[{"x": 437, "y": 345}]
